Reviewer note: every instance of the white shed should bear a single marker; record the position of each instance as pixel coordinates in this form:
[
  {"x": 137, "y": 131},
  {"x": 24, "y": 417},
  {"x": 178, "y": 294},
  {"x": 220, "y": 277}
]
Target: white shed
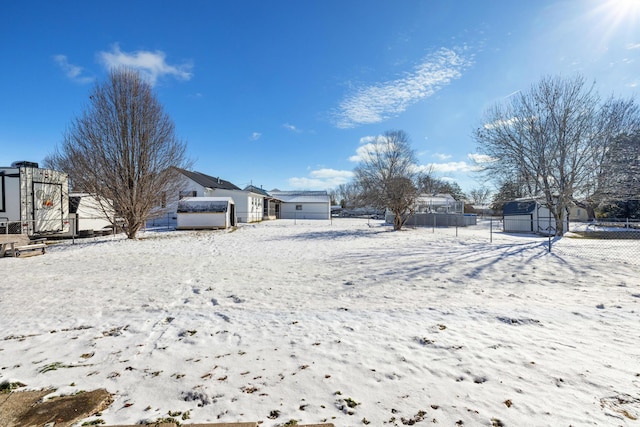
[
  {"x": 529, "y": 216},
  {"x": 206, "y": 213}
]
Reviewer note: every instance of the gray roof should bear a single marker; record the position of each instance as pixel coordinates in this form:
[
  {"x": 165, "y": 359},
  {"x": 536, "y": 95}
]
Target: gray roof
[
  {"x": 254, "y": 189},
  {"x": 208, "y": 181}
]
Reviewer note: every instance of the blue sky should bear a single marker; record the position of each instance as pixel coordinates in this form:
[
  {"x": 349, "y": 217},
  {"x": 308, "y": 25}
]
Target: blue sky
[{"x": 283, "y": 94}]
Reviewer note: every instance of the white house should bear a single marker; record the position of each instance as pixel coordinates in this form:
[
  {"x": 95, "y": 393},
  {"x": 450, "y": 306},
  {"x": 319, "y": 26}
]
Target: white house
[
  {"x": 303, "y": 204},
  {"x": 530, "y": 215},
  {"x": 271, "y": 205},
  {"x": 249, "y": 204},
  {"x": 206, "y": 212}
]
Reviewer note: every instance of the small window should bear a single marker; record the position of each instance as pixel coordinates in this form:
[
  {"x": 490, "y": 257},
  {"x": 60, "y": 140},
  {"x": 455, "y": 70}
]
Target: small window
[{"x": 298, "y": 207}]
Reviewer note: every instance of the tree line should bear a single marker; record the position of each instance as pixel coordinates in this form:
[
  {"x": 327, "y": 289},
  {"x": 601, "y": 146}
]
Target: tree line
[{"x": 558, "y": 141}]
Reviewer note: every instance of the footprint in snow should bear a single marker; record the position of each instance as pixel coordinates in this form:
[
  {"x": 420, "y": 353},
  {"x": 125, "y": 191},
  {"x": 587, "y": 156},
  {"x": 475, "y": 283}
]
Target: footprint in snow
[
  {"x": 224, "y": 317},
  {"x": 236, "y": 299}
]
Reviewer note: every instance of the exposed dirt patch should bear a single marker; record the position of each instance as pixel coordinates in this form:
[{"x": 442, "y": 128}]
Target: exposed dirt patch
[{"x": 26, "y": 408}]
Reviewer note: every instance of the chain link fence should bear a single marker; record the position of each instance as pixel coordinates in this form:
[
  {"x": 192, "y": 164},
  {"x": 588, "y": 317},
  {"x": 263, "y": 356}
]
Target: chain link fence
[{"x": 615, "y": 240}]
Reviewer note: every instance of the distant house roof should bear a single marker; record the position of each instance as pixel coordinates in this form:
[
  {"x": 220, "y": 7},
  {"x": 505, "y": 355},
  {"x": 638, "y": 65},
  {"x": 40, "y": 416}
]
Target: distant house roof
[
  {"x": 254, "y": 189},
  {"x": 208, "y": 181},
  {"x": 301, "y": 196},
  {"x": 436, "y": 198}
]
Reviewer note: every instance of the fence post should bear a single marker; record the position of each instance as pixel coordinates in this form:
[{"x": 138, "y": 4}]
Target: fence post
[{"x": 491, "y": 230}]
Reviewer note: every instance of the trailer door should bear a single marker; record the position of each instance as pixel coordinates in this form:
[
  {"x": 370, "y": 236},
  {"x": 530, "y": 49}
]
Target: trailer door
[{"x": 48, "y": 212}]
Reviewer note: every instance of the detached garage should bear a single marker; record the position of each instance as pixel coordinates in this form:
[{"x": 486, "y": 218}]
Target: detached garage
[
  {"x": 303, "y": 204},
  {"x": 206, "y": 213}
]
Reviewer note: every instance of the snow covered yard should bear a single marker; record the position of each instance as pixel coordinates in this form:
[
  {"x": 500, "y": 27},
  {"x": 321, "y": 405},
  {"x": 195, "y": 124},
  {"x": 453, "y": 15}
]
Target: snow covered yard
[{"x": 345, "y": 322}]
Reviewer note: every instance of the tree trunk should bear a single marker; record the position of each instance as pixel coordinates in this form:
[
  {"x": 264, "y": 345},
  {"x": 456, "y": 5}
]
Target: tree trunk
[
  {"x": 559, "y": 225},
  {"x": 397, "y": 222}
]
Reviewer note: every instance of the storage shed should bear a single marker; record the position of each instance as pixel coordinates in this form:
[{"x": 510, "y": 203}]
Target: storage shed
[
  {"x": 529, "y": 216},
  {"x": 206, "y": 213}
]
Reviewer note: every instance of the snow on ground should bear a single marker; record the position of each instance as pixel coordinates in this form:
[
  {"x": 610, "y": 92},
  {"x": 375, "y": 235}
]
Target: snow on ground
[{"x": 343, "y": 321}]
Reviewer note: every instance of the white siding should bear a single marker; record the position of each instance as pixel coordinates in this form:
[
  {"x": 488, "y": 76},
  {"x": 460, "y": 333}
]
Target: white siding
[
  {"x": 202, "y": 220},
  {"x": 249, "y": 206},
  {"x": 194, "y": 220},
  {"x": 303, "y": 210}
]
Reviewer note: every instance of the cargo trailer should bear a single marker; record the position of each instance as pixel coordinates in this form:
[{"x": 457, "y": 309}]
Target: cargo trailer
[{"x": 33, "y": 201}]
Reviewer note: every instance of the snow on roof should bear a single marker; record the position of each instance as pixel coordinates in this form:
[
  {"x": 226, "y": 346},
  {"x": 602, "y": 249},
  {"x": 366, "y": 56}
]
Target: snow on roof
[{"x": 207, "y": 199}]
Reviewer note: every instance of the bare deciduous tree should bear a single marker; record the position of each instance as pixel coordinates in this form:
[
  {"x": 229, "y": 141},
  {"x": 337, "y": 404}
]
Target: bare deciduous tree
[
  {"x": 508, "y": 191},
  {"x": 387, "y": 176},
  {"x": 553, "y": 139},
  {"x": 123, "y": 148},
  {"x": 430, "y": 185},
  {"x": 346, "y": 195},
  {"x": 479, "y": 195},
  {"x": 621, "y": 170}
]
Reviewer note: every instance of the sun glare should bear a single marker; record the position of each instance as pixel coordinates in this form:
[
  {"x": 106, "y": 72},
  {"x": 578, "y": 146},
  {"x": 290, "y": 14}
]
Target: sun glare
[
  {"x": 616, "y": 12},
  {"x": 611, "y": 20}
]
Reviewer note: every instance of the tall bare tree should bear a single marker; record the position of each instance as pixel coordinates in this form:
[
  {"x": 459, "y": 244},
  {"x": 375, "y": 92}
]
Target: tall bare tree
[
  {"x": 387, "y": 176},
  {"x": 620, "y": 179},
  {"x": 508, "y": 191},
  {"x": 346, "y": 195},
  {"x": 553, "y": 138},
  {"x": 479, "y": 195},
  {"x": 123, "y": 148}
]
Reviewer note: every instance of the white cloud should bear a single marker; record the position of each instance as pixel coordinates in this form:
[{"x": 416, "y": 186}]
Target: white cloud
[
  {"x": 441, "y": 156},
  {"x": 378, "y": 102},
  {"x": 331, "y": 174},
  {"x": 367, "y": 145},
  {"x": 73, "y": 72},
  {"x": 291, "y": 127},
  {"x": 502, "y": 123},
  {"x": 631, "y": 46},
  {"x": 368, "y": 139},
  {"x": 450, "y": 167},
  {"x": 151, "y": 65},
  {"x": 256, "y": 136},
  {"x": 481, "y": 158},
  {"x": 321, "y": 179}
]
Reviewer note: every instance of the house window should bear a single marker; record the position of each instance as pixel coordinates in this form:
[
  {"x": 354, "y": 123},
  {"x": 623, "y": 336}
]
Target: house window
[{"x": 298, "y": 207}]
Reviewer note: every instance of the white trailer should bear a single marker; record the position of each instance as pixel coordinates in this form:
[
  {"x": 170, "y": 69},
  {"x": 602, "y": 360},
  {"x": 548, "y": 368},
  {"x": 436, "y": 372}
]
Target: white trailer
[
  {"x": 33, "y": 201},
  {"x": 89, "y": 215}
]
